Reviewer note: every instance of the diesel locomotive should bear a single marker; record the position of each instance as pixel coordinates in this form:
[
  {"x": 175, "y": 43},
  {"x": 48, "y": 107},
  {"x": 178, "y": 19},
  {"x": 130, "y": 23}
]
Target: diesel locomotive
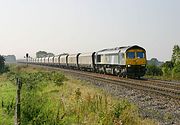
[{"x": 128, "y": 61}]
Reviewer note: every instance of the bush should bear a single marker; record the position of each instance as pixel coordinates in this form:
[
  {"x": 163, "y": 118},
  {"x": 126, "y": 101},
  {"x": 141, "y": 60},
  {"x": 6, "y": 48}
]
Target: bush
[
  {"x": 176, "y": 71},
  {"x": 166, "y": 71},
  {"x": 36, "y": 108},
  {"x": 3, "y": 67},
  {"x": 154, "y": 70},
  {"x": 57, "y": 78}
]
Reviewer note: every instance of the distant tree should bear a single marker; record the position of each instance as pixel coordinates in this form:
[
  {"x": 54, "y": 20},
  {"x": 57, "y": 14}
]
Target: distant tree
[
  {"x": 41, "y": 54},
  {"x": 154, "y": 61},
  {"x": 50, "y": 54},
  {"x": 176, "y": 54},
  {"x": 2, "y": 63},
  {"x": 3, "y": 68}
]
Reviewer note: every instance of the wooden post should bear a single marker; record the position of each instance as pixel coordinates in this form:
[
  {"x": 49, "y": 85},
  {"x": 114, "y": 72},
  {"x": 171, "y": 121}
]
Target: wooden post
[{"x": 18, "y": 104}]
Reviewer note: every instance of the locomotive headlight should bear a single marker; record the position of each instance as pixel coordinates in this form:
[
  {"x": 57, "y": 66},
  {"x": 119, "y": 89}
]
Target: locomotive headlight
[{"x": 129, "y": 65}]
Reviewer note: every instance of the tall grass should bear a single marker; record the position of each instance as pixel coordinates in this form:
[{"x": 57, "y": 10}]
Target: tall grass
[
  {"x": 7, "y": 101},
  {"x": 49, "y": 98}
]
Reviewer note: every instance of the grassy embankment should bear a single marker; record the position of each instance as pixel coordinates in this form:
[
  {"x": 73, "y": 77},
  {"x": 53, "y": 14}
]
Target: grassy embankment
[{"x": 48, "y": 97}]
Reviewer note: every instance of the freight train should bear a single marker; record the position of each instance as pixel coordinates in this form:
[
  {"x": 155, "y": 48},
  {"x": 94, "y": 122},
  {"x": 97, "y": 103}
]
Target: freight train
[{"x": 128, "y": 61}]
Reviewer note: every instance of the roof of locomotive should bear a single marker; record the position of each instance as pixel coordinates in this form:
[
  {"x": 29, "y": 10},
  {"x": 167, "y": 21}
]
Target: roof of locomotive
[{"x": 118, "y": 49}]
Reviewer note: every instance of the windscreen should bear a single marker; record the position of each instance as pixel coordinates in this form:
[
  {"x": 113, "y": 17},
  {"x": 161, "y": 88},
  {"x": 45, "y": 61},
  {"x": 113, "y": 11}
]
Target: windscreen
[
  {"x": 130, "y": 55},
  {"x": 140, "y": 55}
]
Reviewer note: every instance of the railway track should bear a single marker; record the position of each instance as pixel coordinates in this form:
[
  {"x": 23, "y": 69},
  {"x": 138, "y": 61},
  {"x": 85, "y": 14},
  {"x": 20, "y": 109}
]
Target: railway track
[
  {"x": 169, "y": 89},
  {"x": 172, "y": 86},
  {"x": 166, "y": 90}
]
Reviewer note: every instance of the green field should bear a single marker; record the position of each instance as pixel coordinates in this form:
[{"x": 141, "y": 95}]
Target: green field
[{"x": 50, "y": 98}]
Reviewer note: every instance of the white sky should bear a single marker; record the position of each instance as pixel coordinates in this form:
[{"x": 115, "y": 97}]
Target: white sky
[{"x": 72, "y": 26}]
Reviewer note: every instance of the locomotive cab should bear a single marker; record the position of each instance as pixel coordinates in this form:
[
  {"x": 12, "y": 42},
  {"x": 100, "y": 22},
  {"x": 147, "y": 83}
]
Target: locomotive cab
[{"x": 136, "y": 61}]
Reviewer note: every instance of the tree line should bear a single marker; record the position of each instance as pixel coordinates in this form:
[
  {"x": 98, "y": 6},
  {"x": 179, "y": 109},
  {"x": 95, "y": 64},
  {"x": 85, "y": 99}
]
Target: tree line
[
  {"x": 41, "y": 54},
  {"x": 169, "y": 69}
]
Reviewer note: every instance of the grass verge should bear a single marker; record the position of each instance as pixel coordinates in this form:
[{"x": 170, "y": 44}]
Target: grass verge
[{"x": 48, "y": 97}]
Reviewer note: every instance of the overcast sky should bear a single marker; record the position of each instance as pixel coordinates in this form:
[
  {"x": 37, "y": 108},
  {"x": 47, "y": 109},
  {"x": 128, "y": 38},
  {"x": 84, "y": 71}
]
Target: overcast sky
[{"x": 73, "y": 26}]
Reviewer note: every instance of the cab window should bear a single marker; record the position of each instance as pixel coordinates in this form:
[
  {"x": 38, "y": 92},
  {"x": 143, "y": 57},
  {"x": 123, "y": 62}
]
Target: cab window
[
  {"x": 130, "y": 55},
  {"x": 140, "y": 55}
]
